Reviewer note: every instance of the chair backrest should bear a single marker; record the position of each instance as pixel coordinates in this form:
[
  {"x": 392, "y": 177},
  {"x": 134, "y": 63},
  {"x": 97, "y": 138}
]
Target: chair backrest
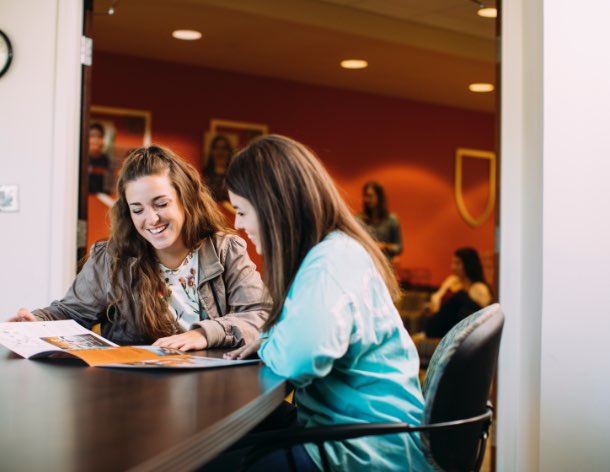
[{"x": 457, "y": 386}]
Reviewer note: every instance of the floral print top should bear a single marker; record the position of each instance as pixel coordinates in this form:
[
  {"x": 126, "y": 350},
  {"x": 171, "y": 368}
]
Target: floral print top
[{"x": 184, "y": 299}]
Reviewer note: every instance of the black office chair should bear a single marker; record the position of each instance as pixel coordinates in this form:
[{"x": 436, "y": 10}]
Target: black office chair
[{"x": 457, "y": 412}]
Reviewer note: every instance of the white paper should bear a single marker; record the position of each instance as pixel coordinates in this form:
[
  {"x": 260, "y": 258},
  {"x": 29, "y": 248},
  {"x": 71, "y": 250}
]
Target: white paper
[{"x": 27, "y": 338}]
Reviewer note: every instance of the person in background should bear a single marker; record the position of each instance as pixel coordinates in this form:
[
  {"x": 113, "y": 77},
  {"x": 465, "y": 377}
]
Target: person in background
[
  {"x": 99, "y": 162},
  {"x": 383, "y": 225},
  {"x": 333, "y": 331},
  {"x": 215, "y": 168},
  {"x": 461, "y": 294},
  {"x": 171, "y": 272}
]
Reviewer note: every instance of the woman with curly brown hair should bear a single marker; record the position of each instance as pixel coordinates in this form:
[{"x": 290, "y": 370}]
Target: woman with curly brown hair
[{"x": 171, "y": 272}]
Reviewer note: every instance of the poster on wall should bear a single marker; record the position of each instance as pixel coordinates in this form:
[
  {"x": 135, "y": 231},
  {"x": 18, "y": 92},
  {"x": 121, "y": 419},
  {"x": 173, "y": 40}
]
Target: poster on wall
[
  {"x": 113, "y": 132},
  {"x": 220, "y": 143},
  {"x": 237, "y": 132}
]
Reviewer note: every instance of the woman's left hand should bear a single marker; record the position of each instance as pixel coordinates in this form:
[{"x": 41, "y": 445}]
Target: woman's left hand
[{"x": 190, "y": 341}]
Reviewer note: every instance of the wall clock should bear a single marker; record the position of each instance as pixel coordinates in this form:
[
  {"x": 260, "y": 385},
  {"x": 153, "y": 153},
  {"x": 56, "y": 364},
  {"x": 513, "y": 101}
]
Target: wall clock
[{"x": 6, "y": 53}]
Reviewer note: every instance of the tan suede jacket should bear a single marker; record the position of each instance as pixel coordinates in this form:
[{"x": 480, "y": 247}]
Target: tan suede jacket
[{"x": 230, "y": 290}]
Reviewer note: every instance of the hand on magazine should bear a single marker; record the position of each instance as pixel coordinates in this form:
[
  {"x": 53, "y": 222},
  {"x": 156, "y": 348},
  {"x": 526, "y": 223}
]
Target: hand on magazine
[
  {"x": 190, "y": 341},
  {"x": 244, "y": 352},
  {"x": 23, "y": 315}
]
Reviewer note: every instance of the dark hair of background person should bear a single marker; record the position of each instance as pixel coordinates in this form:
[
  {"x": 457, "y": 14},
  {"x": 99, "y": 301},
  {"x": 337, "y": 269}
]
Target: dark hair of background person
[
  {"x": 381, "y": 210},
  {"x": 202, "y": 218},
  {"x": 471, "y": 263},
  {"x": 98, "y": 127},
  {"x": 209, "y": 165},
  {"x": 297, "y": 205}
]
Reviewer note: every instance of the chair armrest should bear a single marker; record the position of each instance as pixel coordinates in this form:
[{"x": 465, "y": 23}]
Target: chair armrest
[{"x": 285, "y": 438}]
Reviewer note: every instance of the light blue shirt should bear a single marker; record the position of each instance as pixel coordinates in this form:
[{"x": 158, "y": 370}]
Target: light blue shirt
[{"x": 341, "y": 342}]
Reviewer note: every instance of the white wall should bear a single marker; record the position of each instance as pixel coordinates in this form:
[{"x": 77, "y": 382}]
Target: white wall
[
  {"x": 554, "y": 383},
  {"x": 39, "y": 130},
  {"x": 520, "y": 236},
  {"x": 575, "y": 367}
]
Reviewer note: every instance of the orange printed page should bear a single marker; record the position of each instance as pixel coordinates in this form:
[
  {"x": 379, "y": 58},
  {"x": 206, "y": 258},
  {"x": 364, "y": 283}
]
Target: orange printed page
[{"x": 124, "y": 355}]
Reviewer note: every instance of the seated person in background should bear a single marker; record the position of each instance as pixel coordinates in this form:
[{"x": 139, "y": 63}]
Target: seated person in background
[
  {"x": 382, "y": 225},
  {"x": 334, "y": 331},
  {"x": 171, "y": 273},
  {"x": 460, "y": 295},
  {"x": 99, "y": 163}
]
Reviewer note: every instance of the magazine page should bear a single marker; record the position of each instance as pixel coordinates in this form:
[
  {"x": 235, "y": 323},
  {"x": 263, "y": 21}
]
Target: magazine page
[
  {"x": 159, "y": 357},
  {"x": 68, "y": 338},
  {"x": 126, "y": 355},
  {"x": 43, "y": 338}
]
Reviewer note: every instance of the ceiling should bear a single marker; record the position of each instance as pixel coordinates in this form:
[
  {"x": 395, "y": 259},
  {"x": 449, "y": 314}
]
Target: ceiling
[{"x": 425, "y": 50}]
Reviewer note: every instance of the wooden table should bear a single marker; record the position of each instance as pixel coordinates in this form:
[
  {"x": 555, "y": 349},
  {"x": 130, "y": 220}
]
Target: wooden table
[{"x": 59, "y": 415}]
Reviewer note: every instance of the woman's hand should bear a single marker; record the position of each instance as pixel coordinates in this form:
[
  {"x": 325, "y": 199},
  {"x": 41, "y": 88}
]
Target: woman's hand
[
  {"x": 245, "y": 351},
  {"x": 192, "y": 340},
  {"x": 23, "y": 315}
]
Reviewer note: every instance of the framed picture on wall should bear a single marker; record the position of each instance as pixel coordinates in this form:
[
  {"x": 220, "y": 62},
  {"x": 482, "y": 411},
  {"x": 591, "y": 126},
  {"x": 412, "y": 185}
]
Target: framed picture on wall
[
  {"x": 219, "y": 144},
  {"x": 238, "y": 133},
  {"x": 112, "y": 133},
  {"x": 122, "y": 129}
]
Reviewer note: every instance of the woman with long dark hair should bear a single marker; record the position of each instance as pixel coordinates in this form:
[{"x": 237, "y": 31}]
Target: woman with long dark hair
[
  {"x": 171, "y": 272},
  {"x": 377, "y": 219},
  {"x": 333, "y": 331},
  {"x": 461, "y": 294},
  {"x": 214, "y": 172}
]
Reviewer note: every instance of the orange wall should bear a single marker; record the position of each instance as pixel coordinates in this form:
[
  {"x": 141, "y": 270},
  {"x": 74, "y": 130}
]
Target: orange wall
[{"x": 408, "y": 146}]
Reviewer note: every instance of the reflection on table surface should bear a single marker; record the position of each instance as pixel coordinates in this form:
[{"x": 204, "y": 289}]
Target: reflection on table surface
[{"x": 60, "y": 415}]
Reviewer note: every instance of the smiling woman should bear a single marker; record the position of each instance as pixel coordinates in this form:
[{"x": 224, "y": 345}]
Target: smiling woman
[
  {"x": 171, "y": 272},
  {"x": 158, "y": 216}
]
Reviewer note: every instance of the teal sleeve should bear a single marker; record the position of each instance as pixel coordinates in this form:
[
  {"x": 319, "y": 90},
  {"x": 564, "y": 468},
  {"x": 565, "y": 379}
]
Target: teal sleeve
[{"x": 314, "y": 329}]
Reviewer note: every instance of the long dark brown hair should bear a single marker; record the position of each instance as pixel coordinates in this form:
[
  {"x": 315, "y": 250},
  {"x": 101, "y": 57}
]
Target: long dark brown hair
[
  {"x": 132, "y": 254},
  {"x": 471, "y": 263},
  {"x": 297, "y": 205},
  {"x": 209, "y": 166}
]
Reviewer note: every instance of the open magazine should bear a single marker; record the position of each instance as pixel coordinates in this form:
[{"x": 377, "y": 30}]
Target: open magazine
[{"x": 66, "y": 338}]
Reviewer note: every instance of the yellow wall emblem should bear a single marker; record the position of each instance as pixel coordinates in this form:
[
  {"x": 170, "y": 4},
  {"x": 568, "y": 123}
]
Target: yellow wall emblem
[{"x": 460, "y": 155}]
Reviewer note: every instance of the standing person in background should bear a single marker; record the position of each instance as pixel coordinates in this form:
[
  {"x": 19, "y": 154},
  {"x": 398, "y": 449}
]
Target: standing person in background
[
  {"x": 383, "y": 225},
  {"x": 333, "y": 331},
  {"x": 214, "y": 175},
  {"x": 215, "y": 169},
  {"x": 171, "y": 273},
  {"x": 99, "y": 162}
]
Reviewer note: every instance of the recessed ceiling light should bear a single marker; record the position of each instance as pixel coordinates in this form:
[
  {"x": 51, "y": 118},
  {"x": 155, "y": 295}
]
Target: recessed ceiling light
[
  {"x": 186, "y": 35},
  {"x": 487, "y": 12},
  {"x": 354, "y": 64},
  {"x": 481, "y": 87}
]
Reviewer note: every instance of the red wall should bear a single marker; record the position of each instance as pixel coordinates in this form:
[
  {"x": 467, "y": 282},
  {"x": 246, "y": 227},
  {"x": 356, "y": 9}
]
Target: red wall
[{"x": 408, "y": 146}]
